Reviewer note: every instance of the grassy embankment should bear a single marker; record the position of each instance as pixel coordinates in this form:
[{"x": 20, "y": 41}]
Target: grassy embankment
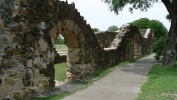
[{"x": 161, "y": 84}]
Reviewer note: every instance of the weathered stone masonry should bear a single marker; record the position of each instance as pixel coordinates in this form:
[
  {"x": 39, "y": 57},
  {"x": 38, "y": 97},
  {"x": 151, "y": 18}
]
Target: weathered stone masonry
[{"x": 28, "y": 29}]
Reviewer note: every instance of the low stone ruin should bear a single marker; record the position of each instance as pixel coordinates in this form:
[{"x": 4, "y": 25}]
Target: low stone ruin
[{"x": 28, "y": 29}]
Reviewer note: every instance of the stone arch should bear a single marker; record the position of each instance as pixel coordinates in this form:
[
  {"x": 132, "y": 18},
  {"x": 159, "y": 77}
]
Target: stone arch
[
  {"x": 63, "y": 18},
  {"x": 27, "y": 34},
  {"x": 137, "y": 46},
  {"x": 75, "y": 41}
]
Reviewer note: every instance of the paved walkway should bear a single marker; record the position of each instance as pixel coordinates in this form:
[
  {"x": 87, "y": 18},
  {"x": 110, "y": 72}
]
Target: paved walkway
[{"x": 122, "y": 84}]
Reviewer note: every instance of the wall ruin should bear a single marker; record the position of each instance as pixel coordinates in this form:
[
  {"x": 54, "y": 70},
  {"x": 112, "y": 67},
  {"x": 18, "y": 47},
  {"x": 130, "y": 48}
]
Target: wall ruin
[{"x": 28, "y": 29}]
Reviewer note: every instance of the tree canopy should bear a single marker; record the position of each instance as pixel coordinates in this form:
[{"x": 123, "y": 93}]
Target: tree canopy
[
  {"x": 158, "y": 27},
  {"x": 118, "y": 5},
  {"x": 95, "y": 29},
  {"x": 113, "y": 28}
]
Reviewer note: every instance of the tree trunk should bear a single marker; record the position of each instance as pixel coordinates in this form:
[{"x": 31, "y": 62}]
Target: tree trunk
[{"x": 170, "y": 52}]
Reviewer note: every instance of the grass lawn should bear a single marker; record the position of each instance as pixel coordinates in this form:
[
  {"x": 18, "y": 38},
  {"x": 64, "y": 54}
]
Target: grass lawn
[
  {"x": 62, "y": 49},
  {"x": 60, "y": 71},
  {"x": 62, "y": 46},
  {"x": 161, "y": 84}
]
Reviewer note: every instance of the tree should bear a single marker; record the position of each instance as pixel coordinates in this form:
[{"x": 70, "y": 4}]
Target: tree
[
  {"x": 59, "y": 40},
  {"x": 95, "y": 30},
  {"x": 159, "y": 47},
  {"x": 143, "y": 5},
  {"x": 142, "y": 23},
  {"x": 113, "y": 28},
  {"x": 168, "y": 17},
  {"x": 158, "y": 27},
  {"x": 160, "y": 32}
]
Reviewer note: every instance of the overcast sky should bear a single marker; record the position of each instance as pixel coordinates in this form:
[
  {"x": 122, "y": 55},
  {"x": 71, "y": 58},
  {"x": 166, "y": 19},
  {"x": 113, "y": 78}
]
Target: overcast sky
[{"x": 98, "y": 15}]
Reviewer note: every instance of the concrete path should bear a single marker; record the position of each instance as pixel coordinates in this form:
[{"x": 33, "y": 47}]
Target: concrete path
[{"x": 122, "y": 84}]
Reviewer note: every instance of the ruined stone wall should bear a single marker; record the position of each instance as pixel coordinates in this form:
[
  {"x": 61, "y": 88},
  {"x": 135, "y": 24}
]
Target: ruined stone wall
[
  {"x": 128, "y": 44},
  {"x": 105, "y": 38},
  {"x": 28, "y": 29}
]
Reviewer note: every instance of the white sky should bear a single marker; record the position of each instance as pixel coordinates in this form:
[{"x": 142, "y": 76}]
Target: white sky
[{"x": 98, "y": 15}]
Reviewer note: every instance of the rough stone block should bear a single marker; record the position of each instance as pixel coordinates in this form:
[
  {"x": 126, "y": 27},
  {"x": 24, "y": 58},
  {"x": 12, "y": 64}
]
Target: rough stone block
[
  {"x": 71, "y": 38},
  {"x": 0, "y": 60},
  {"x": 27, "y": 27},
  {"x": 4, "y": 40},
  {"x": 23, "y": 3},
  {"x": 43, "y": 25},
  {"x": 43, "y": 44},
  {"x": 36, "y": 60},
  {"x": 29, "y": 38},
  {"x": 74, "y": 50},
  {"x": 83, "y": 66},
  {"x": 17, "y": 40},
  {"x": 29, "y": 63},
  {"x": 17, "y": 2},
  {"x": 9, "y": 81},
  {"x": 1, "y": 24},
  {"x": 16, "y": 18},
  {"x": 27, "y": 77},
  {"x": 17, "y": 28},
  {"x": 19, "y": 67},
  {"x": 73, "y": 58},
  {"x": 70, "y": 75},
  {"x": 17, "y": 95},
  {"x": 15, "y": 52},
  {"x": 4, "y": 91},
  {"x": 89, "y": 67},
  {"x": 0, "y": 82}
]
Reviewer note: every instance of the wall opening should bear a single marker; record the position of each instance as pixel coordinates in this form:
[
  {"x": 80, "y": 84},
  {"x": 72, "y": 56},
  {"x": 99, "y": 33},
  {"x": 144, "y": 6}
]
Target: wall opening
[
  {"x": 60, "y": 58},
  {"x": 67, "y": 54}
]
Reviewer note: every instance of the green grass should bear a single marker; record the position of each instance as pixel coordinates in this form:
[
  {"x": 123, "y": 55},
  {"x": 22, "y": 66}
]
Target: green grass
[
  {"x": 161, "y": 84},
  {"x": 62, "y": 49},
  {"x": 62, "y": 46},
  {"x": 60, "y": 71}
]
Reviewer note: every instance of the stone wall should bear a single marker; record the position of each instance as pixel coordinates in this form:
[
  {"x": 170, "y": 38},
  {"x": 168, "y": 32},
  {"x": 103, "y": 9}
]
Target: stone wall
[
  {"x": 28, "y": 29},
  {"x": 128, "y": 44},
  {"x": 105, "y": 38}
]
